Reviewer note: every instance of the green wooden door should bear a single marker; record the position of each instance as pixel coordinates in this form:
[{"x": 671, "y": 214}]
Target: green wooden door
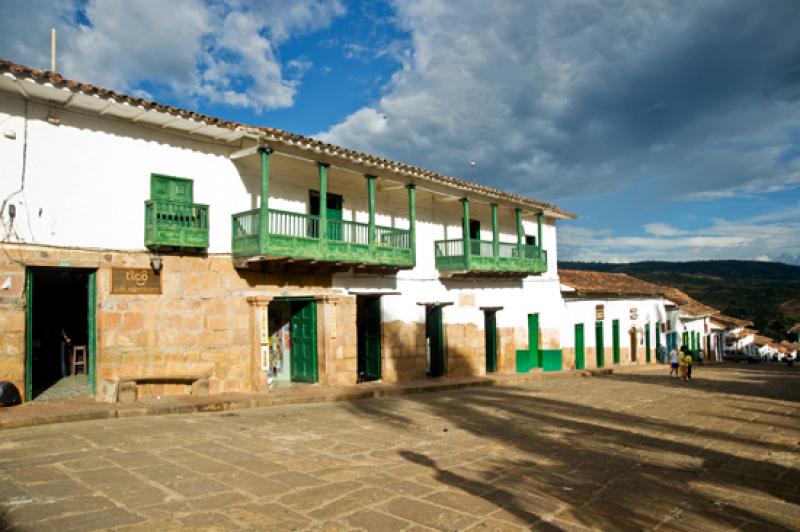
[
  {"x": 658, "y": 339},
  {"x": 600, "y": 347},
  {"x": 615, "y": 340},
  {"x": 435, "y": 338},
  {"x": 533, "y": 340},
  {"x": 28, "y": 334},
  {"x": 647, "y": 343},
  {"x": 333, "y": 211},
  {"x": 369, "y": 338},
  {"x": 304, "y": 341},
  {"x": 580, "y": 349},
  {"x": 490, "y": 326}
]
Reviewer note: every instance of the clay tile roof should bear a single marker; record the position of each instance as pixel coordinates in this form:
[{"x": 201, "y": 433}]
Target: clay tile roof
[
  {"x": 688, "y": 304},
  {"x": 277, "y": 135},
  {"x": 606, "y": 283},
  {"x": 731, "y": 321},
  {"x": 763, "y": 340}
]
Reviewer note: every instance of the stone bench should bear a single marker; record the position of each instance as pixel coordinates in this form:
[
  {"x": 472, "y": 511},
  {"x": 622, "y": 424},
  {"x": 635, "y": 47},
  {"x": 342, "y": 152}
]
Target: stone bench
[{"x": 123, "y": 388}]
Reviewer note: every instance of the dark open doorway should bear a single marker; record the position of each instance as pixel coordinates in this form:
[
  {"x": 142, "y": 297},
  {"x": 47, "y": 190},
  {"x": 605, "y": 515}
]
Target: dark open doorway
[
  {"x": 490, "y": 327},
  {"x": 434, "y": 336},
  {"x": 60, "y": 333},
  {"x": 368, "y": 325}
]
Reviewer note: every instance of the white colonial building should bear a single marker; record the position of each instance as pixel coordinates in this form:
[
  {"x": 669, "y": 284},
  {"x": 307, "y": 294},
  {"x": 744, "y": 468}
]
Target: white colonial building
[{"x": 176, "y": 250}]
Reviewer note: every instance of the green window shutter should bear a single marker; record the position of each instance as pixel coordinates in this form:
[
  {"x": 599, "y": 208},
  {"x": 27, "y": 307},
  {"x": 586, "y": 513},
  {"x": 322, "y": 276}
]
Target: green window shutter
[{"x": 169, "y": 188}]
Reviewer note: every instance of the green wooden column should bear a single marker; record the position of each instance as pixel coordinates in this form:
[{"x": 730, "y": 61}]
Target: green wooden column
[
  {"x": 412, "y": 219},
  {"x": 647, "y": 343},
  {"x": 539, "y": 236},
  {"x": 371, "y": 201},
  {"x": 323, "y": 202},
  {"x": 465, "y": 237},
  {"x": 495, "y": 233},
  {"x": 518, "y": 213},
  {"x": 263, "y": 212}
]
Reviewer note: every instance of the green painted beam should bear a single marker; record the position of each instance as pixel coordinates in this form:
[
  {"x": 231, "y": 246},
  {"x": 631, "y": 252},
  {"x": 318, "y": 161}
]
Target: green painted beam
[
  {"x": 412, "y": 219},
  {"x": 371, "y": 204},
  {"x": 540, "y": 246},
  {"x": 518, "y": 214},
  {"x": 263, "y": 212},
  {"x": 465, "y": 236},
  {"x": 495, "y": 232},
  {"x": 323, "y": 203}
]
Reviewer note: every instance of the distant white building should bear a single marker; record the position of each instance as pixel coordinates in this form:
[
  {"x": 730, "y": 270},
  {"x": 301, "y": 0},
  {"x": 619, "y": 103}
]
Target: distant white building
[{"x": 612, "y": 319}]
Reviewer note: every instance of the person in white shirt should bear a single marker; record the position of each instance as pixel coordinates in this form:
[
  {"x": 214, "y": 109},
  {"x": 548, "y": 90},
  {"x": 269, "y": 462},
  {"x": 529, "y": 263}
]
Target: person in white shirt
[{"x": 673, "y": 362}]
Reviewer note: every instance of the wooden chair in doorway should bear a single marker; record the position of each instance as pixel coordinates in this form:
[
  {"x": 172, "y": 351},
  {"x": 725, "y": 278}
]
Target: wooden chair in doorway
[{"x": 78, "y": 359}]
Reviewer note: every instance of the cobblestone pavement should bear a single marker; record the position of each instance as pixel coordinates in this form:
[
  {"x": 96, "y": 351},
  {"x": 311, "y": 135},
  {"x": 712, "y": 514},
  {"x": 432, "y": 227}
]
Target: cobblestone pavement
[{"x": 630, "y": 451}]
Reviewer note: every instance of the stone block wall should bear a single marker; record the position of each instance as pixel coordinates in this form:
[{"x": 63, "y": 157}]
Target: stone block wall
[
  {"x": 201, "y": 323},
  {"x": 403, "y": 351}
]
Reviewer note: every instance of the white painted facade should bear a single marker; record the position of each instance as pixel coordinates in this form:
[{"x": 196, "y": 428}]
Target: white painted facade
[
  {"x": 86, "y": 178},
  {"x": 633, "y": 315}
]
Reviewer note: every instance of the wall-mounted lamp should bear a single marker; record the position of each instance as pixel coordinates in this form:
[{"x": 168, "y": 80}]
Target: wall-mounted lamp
[
  {"x": 156, "y": 262},
  {"x": 53, "y": 119}
]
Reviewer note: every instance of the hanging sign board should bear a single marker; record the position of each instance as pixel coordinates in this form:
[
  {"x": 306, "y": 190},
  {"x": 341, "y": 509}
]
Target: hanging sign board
[
  {"x": 634, "y": 313},
  {"x": 599, "y": 312},
  {"x": 135, "y": 281}
]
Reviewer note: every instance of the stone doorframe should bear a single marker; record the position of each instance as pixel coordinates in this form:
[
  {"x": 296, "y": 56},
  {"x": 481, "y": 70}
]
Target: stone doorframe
[{"x": 331, "y": 332}]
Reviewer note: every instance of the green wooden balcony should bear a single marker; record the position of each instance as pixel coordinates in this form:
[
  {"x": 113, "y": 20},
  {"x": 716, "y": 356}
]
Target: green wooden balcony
[
  {"x": 482, "y": 259},
  {"x": 297, "y": 236},
  {"x": 175, "y": 224}
]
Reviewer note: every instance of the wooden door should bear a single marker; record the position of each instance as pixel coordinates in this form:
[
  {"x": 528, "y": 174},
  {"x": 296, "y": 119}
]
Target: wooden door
[
  {"x": 599, "y": 343},
  {"x": 368, "y": 318},
  {"x": 304, "y": 341},
  {"x": 580, "y": 349},
  {"x": 615, "y": 340}
]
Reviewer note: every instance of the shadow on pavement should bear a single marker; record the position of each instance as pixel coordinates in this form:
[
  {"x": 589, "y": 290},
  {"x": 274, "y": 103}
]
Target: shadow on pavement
[{"x": 576, "y": 464}]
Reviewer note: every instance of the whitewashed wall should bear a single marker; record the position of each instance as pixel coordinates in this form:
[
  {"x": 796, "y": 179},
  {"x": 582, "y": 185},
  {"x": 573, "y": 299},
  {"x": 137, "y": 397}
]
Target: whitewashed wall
[
  {"x": 87, "y": 179},
  {"x": 650, "y": 310}
]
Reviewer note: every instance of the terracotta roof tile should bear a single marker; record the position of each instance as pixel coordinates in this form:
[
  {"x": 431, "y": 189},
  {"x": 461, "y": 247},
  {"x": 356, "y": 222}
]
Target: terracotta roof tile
[
  {"x": 731, "y": 321},
  {"x": 277, "y": 135},
  {"x": 592, "y": 282}
]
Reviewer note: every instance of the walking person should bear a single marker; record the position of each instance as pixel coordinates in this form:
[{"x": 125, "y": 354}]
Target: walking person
[
  {"x": 689, "y": 364},
  {"x": 673, "y": 362}
]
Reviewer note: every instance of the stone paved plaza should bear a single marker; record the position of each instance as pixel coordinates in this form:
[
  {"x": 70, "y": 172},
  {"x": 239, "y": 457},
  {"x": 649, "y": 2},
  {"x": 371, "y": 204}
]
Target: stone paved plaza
[{"x": 630, "y": 451}]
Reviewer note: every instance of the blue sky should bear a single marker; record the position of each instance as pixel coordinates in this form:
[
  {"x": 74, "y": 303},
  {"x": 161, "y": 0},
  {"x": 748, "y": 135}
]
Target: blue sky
[{"x": 671, "y": 128}]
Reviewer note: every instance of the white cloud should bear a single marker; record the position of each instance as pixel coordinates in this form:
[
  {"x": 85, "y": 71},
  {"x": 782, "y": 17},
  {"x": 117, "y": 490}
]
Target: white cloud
[
  {"x": 226, "y": 51},
  {"x": 560, "y": 99},
  {"x": 759, "y": 237},
  {"x": 661, "y": 229}
]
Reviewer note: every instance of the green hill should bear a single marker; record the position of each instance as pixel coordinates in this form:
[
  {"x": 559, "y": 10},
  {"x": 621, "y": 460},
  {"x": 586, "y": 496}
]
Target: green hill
[{"x": 768, "y": 293}]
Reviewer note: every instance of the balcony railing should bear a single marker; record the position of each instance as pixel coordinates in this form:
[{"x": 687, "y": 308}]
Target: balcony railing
[
  {"x": 297, "y": 235},
  {"x": 175, "y": 224},
  {"x": 509, "y": 258}
]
